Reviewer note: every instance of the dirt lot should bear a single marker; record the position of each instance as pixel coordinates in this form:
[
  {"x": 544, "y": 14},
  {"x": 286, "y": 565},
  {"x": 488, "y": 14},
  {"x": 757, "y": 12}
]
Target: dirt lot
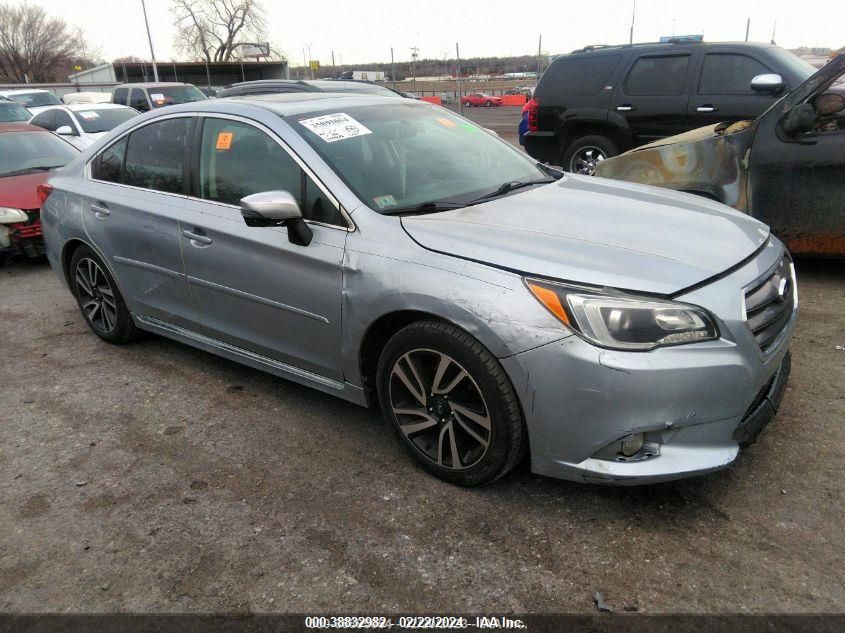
[{"x": 155, "y": 477}]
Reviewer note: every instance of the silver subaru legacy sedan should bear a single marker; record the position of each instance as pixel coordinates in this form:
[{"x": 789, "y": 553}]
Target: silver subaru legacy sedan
[{"x": 388, "y": 251}]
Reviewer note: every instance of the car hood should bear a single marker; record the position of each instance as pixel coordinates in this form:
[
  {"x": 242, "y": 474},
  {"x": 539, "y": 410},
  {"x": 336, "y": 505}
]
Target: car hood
[
  {"x": 599, "y": 232},
  {"x": 19, "y": 192}
]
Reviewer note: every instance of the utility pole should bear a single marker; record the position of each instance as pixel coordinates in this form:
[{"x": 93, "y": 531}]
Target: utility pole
[
  {"x": 633, "y": 17},
  {"x": 774, "y": 28},
  {"x": 747, "y": 28},
  {"x": 392, "y": 69},
  {"x": 332, "y": 59},
  {"x": 150, "y": 38},
  {"x": 460, "y": 90},
  {"x": 415, "y": 51},
  {"x": 539, "y": 56}
]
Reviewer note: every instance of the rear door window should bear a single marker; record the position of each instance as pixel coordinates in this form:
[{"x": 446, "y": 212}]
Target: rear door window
[
  {"x": 120, "y": 95},
  {"x": 657, "y": 76},
  {"x": 580, "y": 77},
  {"x": 139, "y": 100},
  {"x": 155, "y": 156},
  {"x": 47, "y": 120},
  {"x": 729, "y": 73}
]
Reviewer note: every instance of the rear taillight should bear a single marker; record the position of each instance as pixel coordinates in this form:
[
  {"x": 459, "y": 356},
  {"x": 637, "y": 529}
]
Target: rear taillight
[
  {"x": 533, "y": 112},
  {"x": 44, "y": 192}
]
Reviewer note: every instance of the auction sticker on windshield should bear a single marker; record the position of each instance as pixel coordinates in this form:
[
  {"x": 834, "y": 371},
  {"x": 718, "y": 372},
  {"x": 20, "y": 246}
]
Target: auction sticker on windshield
[
  {"x": 89, "y": 116},
  {"x": 335, "y": 127}
]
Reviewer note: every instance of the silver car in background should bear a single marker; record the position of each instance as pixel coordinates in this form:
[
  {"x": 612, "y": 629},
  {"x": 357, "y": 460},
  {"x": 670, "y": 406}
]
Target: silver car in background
[{"x": 388, "y": 251}]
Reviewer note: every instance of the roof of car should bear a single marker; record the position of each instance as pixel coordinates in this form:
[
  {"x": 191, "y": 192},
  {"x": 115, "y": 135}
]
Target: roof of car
[
  {"x": 76, "y": 107},
  {"x": 20, "y": 92},
  {"x": 597, "y": 48},
  {"x": 20, "y": 127},
  {"x": 296, "y": 102},
  {"x": 154, "y": 84}
]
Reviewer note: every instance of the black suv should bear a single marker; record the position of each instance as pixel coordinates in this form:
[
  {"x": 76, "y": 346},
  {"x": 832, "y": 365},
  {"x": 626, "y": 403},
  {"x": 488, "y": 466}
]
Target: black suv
[{"x": 602, "y": 100}]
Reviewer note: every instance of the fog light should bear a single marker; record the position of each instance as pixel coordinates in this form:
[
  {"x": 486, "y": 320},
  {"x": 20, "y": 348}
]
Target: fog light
[{"x": 632, "y": 444}]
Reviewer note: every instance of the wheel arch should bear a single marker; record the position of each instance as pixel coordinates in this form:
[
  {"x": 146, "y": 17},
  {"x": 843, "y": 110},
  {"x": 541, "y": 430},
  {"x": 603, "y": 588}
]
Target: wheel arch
[{"x": 572, "y": 130}]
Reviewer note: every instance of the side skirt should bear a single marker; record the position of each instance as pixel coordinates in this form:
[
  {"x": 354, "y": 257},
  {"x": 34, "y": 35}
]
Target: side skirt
[{"x": 289, "y": 372}]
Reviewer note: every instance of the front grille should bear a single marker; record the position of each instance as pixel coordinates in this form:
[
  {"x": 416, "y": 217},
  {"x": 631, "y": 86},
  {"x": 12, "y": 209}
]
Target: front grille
[{"x": 769, "y": 305}]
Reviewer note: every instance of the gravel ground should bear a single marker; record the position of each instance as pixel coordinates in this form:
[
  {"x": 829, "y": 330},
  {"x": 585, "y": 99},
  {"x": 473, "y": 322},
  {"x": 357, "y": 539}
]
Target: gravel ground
[{"x": 154, "y": 477}]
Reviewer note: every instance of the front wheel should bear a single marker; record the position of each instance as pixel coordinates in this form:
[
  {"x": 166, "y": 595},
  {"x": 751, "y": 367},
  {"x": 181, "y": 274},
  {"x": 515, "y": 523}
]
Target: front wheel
[
  {"x": 488, "y": 104},
  {"x": 450, "y": 403},
  {"x": 583, "y": 155}
]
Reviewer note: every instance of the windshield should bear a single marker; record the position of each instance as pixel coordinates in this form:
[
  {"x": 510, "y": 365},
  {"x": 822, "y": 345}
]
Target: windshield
[
  {"x": 802, "y": 69},
  {"x": 170, "y": 95},
  {"x": 102, "y": 120},
  {"x": 35, "y": 99},
  {"x": 403, "y": 154},
  {"x": 25, "y": 152},
  {"x": 351, "y": 86},
  {"x": 11, "y": 111}
]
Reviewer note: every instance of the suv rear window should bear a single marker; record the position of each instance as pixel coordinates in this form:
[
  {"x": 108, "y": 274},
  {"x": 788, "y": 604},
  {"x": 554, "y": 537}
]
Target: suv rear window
[
  {"x": 663, "y": 75},
  {"x": 579, "y": 77},
  {"x": 728, "y": 73}
]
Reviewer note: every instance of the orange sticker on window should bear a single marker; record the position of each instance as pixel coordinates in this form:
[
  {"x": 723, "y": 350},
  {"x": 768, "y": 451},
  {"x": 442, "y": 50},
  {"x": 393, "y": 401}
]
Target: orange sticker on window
[
  {"x": 446, "y": 122},
  {"x": 224, "y": 140}
]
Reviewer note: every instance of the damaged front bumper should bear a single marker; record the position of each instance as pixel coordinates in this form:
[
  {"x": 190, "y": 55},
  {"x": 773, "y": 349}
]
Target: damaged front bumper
[{"x": 695, "y": 405}]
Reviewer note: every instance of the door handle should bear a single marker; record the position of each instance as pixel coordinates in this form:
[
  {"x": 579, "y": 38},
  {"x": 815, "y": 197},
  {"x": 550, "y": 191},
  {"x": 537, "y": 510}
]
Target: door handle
[
  {"x": 625, "y": 107},
  {"x": 706, "y": 108},
  {"x": 100, "y": 211},
  {"x": 197, "y": 239}
]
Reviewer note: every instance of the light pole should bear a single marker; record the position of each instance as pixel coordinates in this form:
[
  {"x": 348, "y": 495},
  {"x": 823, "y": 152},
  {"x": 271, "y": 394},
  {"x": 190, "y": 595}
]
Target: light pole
[{"x": 150, "y": 38}]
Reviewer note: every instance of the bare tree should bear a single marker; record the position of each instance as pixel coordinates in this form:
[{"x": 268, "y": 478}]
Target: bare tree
[
  {"x": 212, "y": 30},
  {"x": 35, "y": 46}
]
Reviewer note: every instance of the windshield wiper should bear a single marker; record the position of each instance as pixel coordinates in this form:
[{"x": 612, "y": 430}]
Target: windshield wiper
[
  {"x": 432, "y": 206},
  {"x": 512, "y": 185}
]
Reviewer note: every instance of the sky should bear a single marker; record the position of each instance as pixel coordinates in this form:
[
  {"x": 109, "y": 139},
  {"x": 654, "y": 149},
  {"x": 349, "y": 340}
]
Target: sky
[{"x": 359, "y": 31}]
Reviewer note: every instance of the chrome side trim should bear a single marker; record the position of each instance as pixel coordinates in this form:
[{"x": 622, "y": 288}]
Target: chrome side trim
[
  {"x": 295, "y": 374},
  {"x": 258, "y": 299},
  {"x": 150, "y": 267}
]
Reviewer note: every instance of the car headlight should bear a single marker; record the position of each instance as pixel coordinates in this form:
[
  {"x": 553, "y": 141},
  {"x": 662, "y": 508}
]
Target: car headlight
[
  {"x": 10, "y": 216},
  {"x": 622, "y": 322}
]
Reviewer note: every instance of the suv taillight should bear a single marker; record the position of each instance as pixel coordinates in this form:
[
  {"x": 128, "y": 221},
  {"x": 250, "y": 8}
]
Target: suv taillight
[
  {"x": 44, "y": 192},
  {"x": 533, "y": 111}
]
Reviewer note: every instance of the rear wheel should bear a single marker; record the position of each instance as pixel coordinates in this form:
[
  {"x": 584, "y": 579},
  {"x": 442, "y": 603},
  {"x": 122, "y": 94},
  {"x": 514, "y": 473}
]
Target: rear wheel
[
  {"x": 583, "y": 155},
  {"x": 488, "y": 104},
  {"x": 99, "y": 299},
  {"x": 450, "y": 403}
]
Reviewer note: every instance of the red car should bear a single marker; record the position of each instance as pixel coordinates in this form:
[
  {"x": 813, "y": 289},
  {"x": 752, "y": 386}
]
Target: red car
[
  {"x": 27, "y": 154},
  {"x": 481, "y": 99}
]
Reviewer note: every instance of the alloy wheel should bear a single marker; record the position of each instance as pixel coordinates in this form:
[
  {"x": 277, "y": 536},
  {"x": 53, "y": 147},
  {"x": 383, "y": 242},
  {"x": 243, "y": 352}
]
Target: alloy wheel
[
  {"x": 440, "y": 409},
  {"x": 96, "y": 295},
  {"x": 586, "y": 159}
]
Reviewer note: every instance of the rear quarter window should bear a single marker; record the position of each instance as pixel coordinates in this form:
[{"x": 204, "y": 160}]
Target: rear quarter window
[{"x": 578, "y": 77}]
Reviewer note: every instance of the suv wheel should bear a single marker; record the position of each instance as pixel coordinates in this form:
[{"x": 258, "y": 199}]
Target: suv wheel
[
  {"x": 450, "y": 403},
  {"x": 100, "y": 302},
  {"x": 585, "y": 153}
]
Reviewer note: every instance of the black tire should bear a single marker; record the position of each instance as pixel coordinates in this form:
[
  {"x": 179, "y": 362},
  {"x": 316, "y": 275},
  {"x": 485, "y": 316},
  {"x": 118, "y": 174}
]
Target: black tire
[
  {"x": 121, "y": 329},
  {"x": 605, "y": 146},
  {"x": 488, "y": 104},
  {"x": 507, "y": 439}
]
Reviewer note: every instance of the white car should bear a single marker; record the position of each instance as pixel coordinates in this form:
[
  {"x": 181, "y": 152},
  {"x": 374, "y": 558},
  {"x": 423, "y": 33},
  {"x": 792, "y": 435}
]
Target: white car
[
  {"x": 86, "y": 97},
  {"x": 83, "y": 123},
  {"x": 33, "y": 99}
]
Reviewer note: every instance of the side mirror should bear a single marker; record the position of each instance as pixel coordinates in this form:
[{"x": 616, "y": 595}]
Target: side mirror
[
  {"x": 65, "y": 130},
  {"x": 799, "y": 119},
  {"x": 769, "y": 83},
  {"x": 276, "y": 208}
]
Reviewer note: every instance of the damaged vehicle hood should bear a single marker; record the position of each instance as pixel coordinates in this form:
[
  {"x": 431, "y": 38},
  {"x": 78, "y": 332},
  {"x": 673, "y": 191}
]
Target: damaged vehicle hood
[{"x": 599, "y": 232}]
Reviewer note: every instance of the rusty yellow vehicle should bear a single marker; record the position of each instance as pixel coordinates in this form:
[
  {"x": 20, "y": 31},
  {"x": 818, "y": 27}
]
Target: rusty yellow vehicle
[{"x": 785, "y": 168}]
